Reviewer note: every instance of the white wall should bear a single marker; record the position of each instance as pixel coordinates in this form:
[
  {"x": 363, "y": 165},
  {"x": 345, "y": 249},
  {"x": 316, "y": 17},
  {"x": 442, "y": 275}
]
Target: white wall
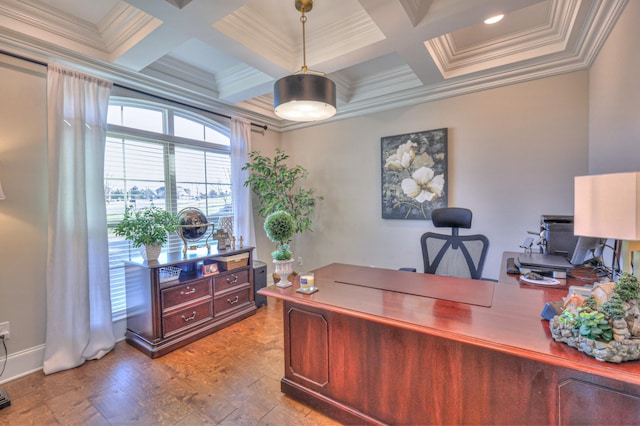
[
  {"x": 23, "y": 214},
  {"x": 513, "y": 153},
  {"x": 614, "y": 100}
]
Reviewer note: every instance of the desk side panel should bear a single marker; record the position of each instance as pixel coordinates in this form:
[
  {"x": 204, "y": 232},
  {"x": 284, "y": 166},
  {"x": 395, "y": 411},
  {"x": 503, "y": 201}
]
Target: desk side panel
[{"x": 399, "y": 376}]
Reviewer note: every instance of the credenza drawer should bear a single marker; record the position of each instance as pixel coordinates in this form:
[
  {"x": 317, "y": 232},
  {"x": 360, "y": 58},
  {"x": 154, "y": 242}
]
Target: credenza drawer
[
  {"x": 184, "y": 293},
  {"x": 186, "y": 317},
  {"x": 228, "y": 280},
  {"x": 230, "y": 301}
]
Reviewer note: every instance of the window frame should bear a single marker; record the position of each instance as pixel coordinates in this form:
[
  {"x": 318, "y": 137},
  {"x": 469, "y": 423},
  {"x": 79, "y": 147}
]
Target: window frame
[{"x": 169, "y": 142}]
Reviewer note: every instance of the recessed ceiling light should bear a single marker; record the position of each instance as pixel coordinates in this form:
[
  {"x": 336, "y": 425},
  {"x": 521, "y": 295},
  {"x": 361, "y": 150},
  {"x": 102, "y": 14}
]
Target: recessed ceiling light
[{"x": 494, "y": 19}]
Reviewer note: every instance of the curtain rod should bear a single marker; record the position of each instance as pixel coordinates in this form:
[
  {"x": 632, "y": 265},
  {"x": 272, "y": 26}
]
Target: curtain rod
[
  {"x": 262, "y": 126},
  {"x": 44, "y": 64}
]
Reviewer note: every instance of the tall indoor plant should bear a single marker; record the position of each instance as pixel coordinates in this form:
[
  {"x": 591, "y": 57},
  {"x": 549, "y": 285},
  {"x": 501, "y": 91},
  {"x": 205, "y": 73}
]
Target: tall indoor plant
[
  {"x": 280, "y": 227},
  {"x": 278, "y": 187},
  {"x": 147, "y": 228}
]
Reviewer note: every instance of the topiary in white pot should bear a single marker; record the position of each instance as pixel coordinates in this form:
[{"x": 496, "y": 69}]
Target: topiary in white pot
[{"x": 280, "y": 227}]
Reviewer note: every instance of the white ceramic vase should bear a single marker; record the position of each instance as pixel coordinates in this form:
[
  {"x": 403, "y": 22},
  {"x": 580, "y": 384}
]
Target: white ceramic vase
[
  {"x": 151, "y": 251},
  {"x": 284, "y": 268}
]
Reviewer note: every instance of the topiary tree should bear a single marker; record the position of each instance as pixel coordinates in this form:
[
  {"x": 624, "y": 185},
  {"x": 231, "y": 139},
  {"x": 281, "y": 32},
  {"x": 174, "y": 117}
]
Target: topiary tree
[
  {"x": 627, "y": 287},
  {"x": 591, "y": 303},
  {"x": 280, "y": 227},
  {"x": 614, "y": 307}
]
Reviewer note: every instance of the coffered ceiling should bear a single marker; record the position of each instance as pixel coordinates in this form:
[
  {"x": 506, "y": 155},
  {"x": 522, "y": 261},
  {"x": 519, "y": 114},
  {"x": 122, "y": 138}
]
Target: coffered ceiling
[{"x": 226, "y": 54}]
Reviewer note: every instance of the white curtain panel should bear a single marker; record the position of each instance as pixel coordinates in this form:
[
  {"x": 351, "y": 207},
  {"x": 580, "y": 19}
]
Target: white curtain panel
[
  {"x": 79, "y": 325},
  {"x": 242, "y": 208}
]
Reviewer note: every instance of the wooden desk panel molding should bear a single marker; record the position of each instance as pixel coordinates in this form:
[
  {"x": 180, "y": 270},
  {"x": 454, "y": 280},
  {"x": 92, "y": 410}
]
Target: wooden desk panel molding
[{"x": 366, "y": 355}]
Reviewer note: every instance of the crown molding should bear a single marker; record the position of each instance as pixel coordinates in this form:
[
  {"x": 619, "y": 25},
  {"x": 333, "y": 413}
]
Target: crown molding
[
  {"x": 39, "y": 21},
  {"x": 265, "y": 40},
  {"x": 397, "y": 79},
  {"x": 124, "y": 27},
  {"x": 342, "y": 37},
  {"x": 36, "y": 50}
]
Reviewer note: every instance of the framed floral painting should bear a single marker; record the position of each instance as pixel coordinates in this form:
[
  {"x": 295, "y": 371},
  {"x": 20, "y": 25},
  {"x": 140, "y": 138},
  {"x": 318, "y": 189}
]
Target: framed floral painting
[{"x": 414, "y": 174}]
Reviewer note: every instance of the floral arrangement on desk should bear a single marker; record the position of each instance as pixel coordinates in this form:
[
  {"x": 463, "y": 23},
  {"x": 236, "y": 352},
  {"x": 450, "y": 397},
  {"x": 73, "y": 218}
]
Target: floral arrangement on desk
[{"x": 605, "y": 325}]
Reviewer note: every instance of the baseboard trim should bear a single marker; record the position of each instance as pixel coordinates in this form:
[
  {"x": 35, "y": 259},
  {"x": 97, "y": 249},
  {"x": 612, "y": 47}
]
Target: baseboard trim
[
  {"x": 22, "y": 363},
  {"x": 30, "y": 360}
]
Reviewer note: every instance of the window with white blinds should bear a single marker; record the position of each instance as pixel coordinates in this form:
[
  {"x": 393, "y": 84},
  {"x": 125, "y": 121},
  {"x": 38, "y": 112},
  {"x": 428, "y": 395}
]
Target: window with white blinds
[{"x": 156, "y": 156}]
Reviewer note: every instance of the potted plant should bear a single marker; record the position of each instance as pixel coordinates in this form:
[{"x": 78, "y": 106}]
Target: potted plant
[
  {"x": 147, "y": 228},
  {"x": 280, "y": 227},
  {"x": 278, "y": 187}
]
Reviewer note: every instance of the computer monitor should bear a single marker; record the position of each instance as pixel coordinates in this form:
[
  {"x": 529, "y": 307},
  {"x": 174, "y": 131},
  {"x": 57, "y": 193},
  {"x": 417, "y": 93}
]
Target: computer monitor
[{"x": 587, "y": 248}]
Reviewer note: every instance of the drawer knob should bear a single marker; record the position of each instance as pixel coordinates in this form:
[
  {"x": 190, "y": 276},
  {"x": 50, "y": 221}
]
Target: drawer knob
[
  {"x": 193, "y": 290},
  {"x": 187, "y": 319},
  {"x": 232, "y": 280},
  {"x": 234, "y": 301}
]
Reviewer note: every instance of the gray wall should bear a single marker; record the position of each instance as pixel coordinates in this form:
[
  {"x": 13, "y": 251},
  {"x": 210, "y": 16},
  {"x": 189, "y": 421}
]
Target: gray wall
[
  {"x": 23, "y": 214},
  {"x": 614, "y": 99},
  {"x": 513, "y": 153}
]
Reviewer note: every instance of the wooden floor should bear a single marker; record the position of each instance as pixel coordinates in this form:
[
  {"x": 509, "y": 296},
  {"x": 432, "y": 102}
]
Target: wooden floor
[{"x": 231, "y": 377}]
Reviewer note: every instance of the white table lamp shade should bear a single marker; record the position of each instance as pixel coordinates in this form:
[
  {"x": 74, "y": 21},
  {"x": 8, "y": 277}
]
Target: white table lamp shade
[
  {"x": 1, "y": 192},
  {"x": 607, "y": 206}
]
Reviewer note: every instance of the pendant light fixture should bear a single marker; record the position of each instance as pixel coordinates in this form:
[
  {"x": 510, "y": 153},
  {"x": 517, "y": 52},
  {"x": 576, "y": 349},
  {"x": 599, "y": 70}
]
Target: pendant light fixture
[{"x": 306, "y": 95}]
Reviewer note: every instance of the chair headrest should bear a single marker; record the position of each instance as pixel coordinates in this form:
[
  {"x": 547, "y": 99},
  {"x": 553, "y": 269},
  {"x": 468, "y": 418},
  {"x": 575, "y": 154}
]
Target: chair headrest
[{"x": 451, "y": 217}]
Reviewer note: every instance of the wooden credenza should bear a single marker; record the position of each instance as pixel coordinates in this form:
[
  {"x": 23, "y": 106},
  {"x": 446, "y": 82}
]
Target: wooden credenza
[
  {"x": 380, "y": 346},
  {"x": 163, "y": 316}
]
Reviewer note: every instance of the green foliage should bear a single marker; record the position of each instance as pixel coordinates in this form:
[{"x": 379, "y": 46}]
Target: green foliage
[
  {"x": 146, "y": 226},
  {"x": 614, "y": 307},
  {"x": 282, "y": 253},
  {"x": 279, "y": 227},
  {"x": 591, "y": 302},
  {"x": 278, "y": 188},
  {"x": 593, "y": 325},
  {"x": 589, "y": 323},
  {"x": 627, "y": 287},
  {"x": 568, "y": 318}
]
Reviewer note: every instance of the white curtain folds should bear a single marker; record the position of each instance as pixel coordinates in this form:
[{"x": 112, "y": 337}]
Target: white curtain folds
[
  {"x": 242, "y": 208},
  {"x": 79, "y": 325}
]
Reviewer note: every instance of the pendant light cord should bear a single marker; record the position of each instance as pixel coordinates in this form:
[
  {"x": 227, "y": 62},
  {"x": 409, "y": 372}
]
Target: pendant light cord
[{"x": 303, "y": 19}]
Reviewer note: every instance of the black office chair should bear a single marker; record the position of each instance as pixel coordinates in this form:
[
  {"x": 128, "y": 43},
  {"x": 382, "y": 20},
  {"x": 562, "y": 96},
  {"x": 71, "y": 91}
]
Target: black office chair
[{"x": 454, "y": 255}]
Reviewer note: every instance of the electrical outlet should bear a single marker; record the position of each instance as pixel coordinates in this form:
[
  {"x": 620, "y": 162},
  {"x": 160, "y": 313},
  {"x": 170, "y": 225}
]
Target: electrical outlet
[
  {"x": 299, "y": 260},
  {"x": 4, "y": 329}
]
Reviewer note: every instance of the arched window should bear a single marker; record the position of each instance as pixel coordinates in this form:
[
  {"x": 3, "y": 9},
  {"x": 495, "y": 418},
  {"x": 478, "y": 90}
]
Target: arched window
[{"x": 158, "y": 155}]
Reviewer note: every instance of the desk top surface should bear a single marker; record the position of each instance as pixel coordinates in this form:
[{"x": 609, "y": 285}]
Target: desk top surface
[{"x": 512, "y": 324}]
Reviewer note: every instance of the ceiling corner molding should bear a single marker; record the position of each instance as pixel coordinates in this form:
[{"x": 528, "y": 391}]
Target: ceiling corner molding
[
  {"x": 543, "y": 40},
  {"x": 239, "y": 78},
  {"x": 179, "y": 3},
  {"x": 270, "y": 42},
  {"x": 604, "y": 19},
  {"x": 124, "y": 27},
  {"x": 168, "y": 68},
  {"x": 416, "y": 10},
  {"x": 35, "y": 20},
  {"x": 397, "y": 79},
  {"x": 342, "y": 37}
]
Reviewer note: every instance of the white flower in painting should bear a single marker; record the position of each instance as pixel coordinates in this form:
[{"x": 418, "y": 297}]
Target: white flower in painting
[
  {"x": 402, "y": 158},
  {"x": 423, "y": 185}
]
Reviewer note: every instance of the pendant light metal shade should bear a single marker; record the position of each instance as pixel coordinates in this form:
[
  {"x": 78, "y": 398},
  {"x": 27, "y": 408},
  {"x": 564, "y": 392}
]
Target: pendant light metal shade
[{"x": 304, "y": 97}]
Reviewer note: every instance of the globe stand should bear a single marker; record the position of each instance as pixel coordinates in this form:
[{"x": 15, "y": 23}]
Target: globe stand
[{"x": 187, "y": 246}]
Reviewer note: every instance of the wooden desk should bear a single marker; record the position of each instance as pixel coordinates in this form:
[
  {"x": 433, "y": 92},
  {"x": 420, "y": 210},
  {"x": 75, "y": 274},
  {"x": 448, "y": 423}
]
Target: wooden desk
[{"x": 364, "y": 354}]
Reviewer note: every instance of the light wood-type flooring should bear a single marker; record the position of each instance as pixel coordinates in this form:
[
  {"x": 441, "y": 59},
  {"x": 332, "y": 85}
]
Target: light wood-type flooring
[{"x": 231, "y": 377}]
